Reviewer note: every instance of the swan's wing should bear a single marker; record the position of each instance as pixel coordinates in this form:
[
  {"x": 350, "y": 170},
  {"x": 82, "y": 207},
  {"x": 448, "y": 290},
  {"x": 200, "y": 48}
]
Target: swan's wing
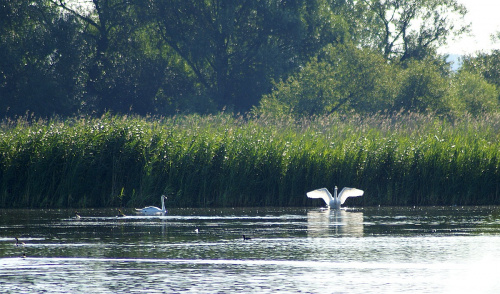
[
  {"x": 349, "y": 192},
  {"x": 322, "y": 193},
  {"x": 149, "y": 209}
]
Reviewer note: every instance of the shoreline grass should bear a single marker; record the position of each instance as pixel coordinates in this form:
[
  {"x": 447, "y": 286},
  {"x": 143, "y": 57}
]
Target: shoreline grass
[{"x": 223, "y": 160}]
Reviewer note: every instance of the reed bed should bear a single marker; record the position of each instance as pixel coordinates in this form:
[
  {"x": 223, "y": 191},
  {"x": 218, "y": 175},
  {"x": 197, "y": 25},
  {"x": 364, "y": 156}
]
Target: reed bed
[{"x": 224, "y": 160}]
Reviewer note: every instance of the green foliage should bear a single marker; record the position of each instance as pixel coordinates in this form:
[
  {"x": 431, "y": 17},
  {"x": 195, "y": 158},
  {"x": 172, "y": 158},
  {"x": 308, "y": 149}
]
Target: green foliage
[
  {"x": 345, "y": 78},
  {"x": 234, "y": 49},
  {"x": 125, "y": 64},
  {"x": 486, "y": 65},
  {"x": 221, "y": 160},
  {"x": 340, "y": 78},
  {"x": 169, "y": 57},
  {"x": 423, "y": 88},
  {"x": 37, "y": 70},
  {"x": 471, "y": 93},
  {"x": 402, "y": 30}
]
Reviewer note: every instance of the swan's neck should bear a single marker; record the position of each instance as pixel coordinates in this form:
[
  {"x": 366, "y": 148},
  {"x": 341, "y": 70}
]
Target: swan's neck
[
  {"x": 162, "y": 204},
  {"x": 335, "y": 202}
]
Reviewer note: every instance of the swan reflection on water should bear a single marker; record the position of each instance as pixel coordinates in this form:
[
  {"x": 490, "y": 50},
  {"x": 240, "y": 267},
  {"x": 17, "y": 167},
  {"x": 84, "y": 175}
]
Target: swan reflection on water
[{"x": 325, "y": 223}]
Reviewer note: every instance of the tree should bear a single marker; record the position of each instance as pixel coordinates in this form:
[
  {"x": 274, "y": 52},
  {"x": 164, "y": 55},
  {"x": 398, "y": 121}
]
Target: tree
[
  {"x": 485, "y": 64},
  {"x": 405, "y": 29},
  {"x": 470, "y": 92},
  {"x": 40, "y": 64},
  {"x": 340, "y": 78},
  {"x": 125, "y": 66},
  {"x": 235, "y": 48},
  {"x": 423, "y": 88}
]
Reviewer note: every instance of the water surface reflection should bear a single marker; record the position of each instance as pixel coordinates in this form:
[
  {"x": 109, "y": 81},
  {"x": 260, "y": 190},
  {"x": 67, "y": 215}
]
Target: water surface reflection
[
  {"x": 387, "y": 250},
  {"x": 325, "y": 223}
]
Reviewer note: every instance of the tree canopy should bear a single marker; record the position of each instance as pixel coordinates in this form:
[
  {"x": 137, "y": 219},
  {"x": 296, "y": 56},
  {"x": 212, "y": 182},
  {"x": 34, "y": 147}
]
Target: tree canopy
[
  {"x": 65, "y": 57},
  {"x": 409, "y": 29}
]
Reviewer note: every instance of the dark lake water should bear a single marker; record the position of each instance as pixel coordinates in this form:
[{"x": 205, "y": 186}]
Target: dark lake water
[{"x": 293, "y": 250}]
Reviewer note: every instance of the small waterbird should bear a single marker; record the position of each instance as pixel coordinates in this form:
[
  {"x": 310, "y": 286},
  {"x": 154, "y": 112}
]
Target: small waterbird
[
  {"x": 153, "y": 210},
  {"x": 77, "y": 216},
  {"x": 18, "y": 243},
  {"x": 120, "y": 213},
  {"x": 335, "y": 201},
  {"x": 246, "y": 238}
]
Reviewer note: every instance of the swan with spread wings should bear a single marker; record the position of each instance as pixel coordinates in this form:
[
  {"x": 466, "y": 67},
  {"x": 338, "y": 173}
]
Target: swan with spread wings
[{"x": 335, "y": 201}]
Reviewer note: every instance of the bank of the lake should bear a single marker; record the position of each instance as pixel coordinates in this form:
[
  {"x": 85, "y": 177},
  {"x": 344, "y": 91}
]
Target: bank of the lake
[{"x": 224, "y": 160}]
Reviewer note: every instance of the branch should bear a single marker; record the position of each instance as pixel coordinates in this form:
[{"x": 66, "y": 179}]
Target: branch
[{"x": 63, "y": 5}]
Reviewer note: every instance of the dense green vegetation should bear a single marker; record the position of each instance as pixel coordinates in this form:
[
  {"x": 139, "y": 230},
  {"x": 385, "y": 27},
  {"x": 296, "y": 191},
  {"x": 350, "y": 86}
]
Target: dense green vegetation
[
  {"x": 166, "y": 57},
  {"x": 114, "y": 102},
  {"x": 221, "y": 160}
]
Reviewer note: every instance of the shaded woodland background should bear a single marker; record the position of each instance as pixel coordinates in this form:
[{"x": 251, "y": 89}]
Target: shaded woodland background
[{"x": 177, "y": 57}]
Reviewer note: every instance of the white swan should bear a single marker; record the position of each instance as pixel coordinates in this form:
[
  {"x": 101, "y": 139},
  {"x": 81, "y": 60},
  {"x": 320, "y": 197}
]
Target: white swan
[
  {"x": 335, "y": 201},
  {"x": 153, "y": 210}
]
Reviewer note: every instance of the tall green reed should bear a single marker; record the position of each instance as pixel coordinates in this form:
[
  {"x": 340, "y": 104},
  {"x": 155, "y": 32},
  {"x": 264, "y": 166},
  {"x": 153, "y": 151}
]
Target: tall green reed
[{"x": 224, "y": 160}]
